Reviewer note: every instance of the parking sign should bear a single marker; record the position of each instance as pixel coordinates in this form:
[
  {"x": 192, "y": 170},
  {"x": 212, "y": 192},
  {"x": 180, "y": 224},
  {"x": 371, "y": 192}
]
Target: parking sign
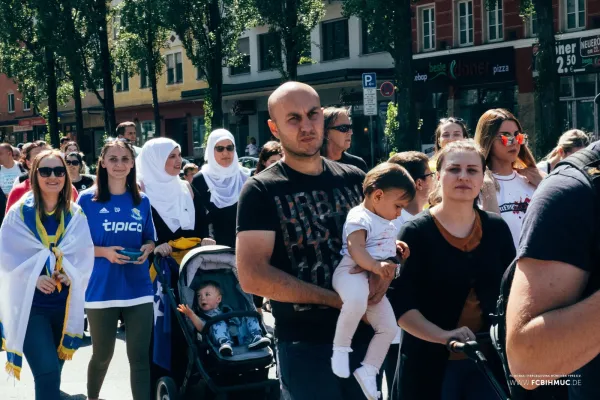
[{"x": 369, "y": 84}]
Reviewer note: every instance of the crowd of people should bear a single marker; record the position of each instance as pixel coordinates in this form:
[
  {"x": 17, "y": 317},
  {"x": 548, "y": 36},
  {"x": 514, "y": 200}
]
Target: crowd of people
[{"x": 365, "y": 271}]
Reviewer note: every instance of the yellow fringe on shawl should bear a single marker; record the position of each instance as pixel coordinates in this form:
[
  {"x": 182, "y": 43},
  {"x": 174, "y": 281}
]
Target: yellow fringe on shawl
[
  {"x": 65, "y": 354},
  {"x": 13, "y": 370}
]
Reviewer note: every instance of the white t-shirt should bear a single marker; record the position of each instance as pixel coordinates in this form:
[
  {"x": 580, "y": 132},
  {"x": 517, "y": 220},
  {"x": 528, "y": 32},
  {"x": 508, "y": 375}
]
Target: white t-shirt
[
  {"x": 8, "y": 176},
  {"x": 513, "y": 199},
  {"x": 544, "y": 166},
  {"x": 381, "y": 233},
  {"x": 252, "y": 150}
]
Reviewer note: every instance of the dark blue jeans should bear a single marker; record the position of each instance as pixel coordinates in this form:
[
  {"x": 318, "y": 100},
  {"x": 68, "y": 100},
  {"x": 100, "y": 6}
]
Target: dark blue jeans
[
  {"x": 305, "y": 372},
  {"x": 464, "y": 381},
  {"x": 42, "y": 340}
]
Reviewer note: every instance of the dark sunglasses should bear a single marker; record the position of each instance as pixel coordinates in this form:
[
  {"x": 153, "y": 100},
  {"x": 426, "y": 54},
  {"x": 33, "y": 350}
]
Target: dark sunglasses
[
  {"x": 427, "y": 175},
  {"x": 344, "y": 128},
  {"x": 220, "y": 149},
  {"x": 74, "y": 163},
  {"x": 45, "y": 172}
]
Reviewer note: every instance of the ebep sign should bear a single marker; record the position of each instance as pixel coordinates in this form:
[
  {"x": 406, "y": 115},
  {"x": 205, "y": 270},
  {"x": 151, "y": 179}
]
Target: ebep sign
[{"x": 467, "y": 68}]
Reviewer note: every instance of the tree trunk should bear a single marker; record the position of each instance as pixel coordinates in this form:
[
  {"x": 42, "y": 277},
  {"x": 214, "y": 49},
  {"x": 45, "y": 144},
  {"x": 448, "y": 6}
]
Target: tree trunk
[
  {"x": 547, "y": 83},
  {"x": 78, "y": 108},
  {"x": 109, "y": 100},
  {"x": 52, "y": 97},
  {"x": 407, "y": 136},
  {"x": 153, "y": 86},
  {"x": 215, "y": 67},
  {"x": 291, "y": 45}
]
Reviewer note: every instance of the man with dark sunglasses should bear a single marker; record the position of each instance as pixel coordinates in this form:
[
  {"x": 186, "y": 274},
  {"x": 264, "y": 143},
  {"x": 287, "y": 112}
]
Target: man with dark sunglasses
[
  {"x": 289, "y": 223},
  {"x": 338, "y": 138}
]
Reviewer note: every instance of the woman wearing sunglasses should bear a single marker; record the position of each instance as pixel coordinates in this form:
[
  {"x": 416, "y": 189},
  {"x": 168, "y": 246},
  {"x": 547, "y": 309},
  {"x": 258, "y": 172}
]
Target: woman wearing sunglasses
[
  {"x": 47, "y": 257},
  {"x": 30, "y": 151},
  {"x": 75, "y": 167},
  {"x": 512, "y": 175},
  {"x": 338, "y": 138},
  {"x": 120, "y": 220},
  {"x": 218, "y": 185}
]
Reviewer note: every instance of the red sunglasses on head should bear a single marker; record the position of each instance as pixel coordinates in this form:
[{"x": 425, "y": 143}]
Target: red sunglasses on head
[{"x": 510, "y": 140}]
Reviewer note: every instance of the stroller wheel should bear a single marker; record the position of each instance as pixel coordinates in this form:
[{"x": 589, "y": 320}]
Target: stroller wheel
[{"x": 166, "y": 389}]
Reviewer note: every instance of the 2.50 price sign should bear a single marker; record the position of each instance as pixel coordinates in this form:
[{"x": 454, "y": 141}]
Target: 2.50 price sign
[{"x": 577, "y": 55}]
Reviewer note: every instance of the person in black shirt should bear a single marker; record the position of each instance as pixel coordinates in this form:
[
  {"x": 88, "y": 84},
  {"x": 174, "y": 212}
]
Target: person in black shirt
[
  {"x": 177, "y": 224},
  {"x": 553, "y": 308},
  {"x": 338, "y": 138},
  {"x": 290, "y": 220},
  {"x": 75, "y": 166},
  {"x": 450, "y": 283},
  {"x": 218, "y": 185}
]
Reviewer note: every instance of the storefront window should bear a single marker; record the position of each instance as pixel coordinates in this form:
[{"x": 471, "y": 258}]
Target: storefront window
[
  {"x": 566, "y": 88},
  {"x": 147, "y": 130},
  {"x": 585, "y": 116},
  {"x": 585, "y": 85}
]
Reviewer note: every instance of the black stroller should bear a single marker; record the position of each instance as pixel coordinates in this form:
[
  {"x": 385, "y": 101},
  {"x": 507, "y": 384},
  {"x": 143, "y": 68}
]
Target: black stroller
[{"x": 207, "y": 370}]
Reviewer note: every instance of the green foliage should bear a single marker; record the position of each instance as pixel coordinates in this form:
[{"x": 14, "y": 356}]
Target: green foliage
[
  {"x": 195, "y": 22},
  {"x": 208, "y": 113},
  {"x": 292, "y": 22},
  {"x": 142, "y": 36},
  {"x": 381, "y": 17},
  {"x": 392, "y": 126},
  {"x": 306, "y": 60},
  {"x": 209, "y": 31}
]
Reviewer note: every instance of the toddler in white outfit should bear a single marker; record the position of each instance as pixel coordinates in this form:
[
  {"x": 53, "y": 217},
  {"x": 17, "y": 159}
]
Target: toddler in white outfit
[{"x": 369, "y": 241}]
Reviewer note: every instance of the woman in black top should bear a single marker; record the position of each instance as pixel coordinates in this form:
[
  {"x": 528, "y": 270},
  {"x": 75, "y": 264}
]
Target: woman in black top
[
  {"x": 171, "y": 198},
  {"x": 75, "y": 166},
  {"x": 218, "y": 185},
  {"x": 450, "y": 283}
]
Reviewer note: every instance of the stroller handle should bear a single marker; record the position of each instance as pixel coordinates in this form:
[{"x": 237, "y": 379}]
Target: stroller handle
[
  {"x": 458, "y": 346},
  {"x": 471, "y": 350}
]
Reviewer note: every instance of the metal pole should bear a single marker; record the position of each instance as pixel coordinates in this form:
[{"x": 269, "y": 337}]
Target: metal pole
[{"x": 372, "y": 141}]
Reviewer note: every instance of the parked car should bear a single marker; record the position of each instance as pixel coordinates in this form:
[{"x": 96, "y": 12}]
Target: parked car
[{"x": 248, "y": 162}]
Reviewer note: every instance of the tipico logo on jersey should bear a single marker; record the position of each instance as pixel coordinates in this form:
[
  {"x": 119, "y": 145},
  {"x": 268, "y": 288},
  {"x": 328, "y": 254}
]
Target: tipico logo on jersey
[
  {"x": 135, "y": 214},
  {"x": 121, "y": 226}
]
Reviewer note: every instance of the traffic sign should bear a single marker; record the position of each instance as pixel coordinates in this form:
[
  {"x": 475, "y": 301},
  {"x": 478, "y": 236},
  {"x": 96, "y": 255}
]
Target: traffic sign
[
  {"x": 369, "y": 84},
  {"x": 387, "y": 89}
]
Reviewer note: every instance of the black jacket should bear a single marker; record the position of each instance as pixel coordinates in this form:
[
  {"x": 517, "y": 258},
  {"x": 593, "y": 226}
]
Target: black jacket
[{"x": 436, "y": 280}]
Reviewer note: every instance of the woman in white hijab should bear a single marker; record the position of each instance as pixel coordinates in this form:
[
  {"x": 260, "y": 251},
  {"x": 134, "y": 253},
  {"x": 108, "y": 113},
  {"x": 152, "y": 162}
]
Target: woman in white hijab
[
  {"x": 218, "y": 185},
  {"x": 172, "y": 199}
]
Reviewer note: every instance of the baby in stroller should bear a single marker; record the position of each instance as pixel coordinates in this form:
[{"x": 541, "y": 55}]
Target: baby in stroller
[{"x": 209, "y": 297}]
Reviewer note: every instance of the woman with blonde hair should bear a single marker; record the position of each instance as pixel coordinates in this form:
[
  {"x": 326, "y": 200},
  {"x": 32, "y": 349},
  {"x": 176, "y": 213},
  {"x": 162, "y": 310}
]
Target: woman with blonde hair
[
  {"x": 570, "y": 142},
  {"x": 512, "y": 175},
  {"x": 47, "y": 259}
]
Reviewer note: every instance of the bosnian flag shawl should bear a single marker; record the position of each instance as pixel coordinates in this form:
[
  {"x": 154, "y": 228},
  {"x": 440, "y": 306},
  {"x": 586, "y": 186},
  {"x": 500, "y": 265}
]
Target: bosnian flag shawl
[{"x": 24, "y": 254}]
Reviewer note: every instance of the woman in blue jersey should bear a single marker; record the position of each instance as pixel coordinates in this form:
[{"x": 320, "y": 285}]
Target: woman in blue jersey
[
  {"x": 47, "y": 259},
  {"x": 120, "y": 218}
]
